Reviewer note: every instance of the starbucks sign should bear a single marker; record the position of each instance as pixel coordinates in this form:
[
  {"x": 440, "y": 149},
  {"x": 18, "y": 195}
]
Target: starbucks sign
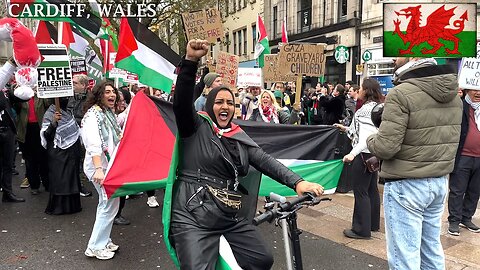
[{"x": 342, "y": 54}]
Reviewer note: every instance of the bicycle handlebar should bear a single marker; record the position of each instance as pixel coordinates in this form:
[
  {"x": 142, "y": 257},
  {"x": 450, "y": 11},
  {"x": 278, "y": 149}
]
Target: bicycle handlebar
[{"x": 284, "y": 207}]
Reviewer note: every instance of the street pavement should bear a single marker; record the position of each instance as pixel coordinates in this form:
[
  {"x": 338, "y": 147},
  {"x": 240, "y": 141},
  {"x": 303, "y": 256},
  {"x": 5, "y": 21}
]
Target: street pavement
[{"x": 31, "y": 239}]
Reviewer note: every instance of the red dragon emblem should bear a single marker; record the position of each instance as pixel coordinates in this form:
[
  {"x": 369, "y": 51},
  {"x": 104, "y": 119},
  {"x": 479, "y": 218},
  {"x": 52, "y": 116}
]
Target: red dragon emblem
[{"x": 434, "y": 30}]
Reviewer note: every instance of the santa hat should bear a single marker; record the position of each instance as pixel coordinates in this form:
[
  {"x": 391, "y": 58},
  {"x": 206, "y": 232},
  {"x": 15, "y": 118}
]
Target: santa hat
[{"x": 25, "y": 53}]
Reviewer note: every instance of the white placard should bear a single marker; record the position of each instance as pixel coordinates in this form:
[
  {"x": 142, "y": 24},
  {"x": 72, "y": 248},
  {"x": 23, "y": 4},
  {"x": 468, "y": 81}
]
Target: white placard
[
  {"x": 54, "y": 73},
  {"x": 469, "y": 76},
  {"x": 249, "y": 77}
]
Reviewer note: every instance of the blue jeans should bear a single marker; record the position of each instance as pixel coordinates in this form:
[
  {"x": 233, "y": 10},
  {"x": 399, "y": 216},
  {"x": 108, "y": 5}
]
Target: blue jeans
[
  {"x": 413, "y": 211},
  {"x": 106, "y": 211}
]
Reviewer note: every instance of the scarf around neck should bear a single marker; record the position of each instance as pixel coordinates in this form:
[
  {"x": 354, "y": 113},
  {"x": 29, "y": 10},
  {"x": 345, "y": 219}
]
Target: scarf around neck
[
  {"x": 476, "y": 108},
  {"x": 67, "y": 131},
  {"x": 268, "y": 113},
  {"x": 107, "y": 122},
  {"x": 411, "y": 64}
]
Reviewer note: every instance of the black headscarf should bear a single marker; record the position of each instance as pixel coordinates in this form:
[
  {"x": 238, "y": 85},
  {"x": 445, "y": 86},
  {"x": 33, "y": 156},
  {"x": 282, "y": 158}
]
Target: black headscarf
[{"x": 212, "y": 95}]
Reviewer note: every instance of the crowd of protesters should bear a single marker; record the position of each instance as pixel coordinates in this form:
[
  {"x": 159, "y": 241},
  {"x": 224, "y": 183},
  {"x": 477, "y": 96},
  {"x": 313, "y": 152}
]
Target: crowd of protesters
[{"x": 63, "y": 146}]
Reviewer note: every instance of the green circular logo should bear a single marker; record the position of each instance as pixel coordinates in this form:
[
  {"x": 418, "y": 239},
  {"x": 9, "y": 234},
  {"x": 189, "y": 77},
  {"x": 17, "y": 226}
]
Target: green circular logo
[{"x": 342, "y": 54}]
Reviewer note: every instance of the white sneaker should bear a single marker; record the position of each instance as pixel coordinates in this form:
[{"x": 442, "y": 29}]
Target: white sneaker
[
  {"x": 101, "y": 254},
  {"x": 152, "y": 202},
  {"x": 112, "y": 247}
]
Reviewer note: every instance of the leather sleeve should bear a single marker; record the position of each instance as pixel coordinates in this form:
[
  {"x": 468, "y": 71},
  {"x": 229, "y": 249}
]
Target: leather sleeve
[
  {"x": 185, "y": 114},
  {"x": 271, "y": 167}
]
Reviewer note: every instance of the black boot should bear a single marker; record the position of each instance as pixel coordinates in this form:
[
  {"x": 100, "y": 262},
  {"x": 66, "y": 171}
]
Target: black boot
[{"x": 10, "y": 197}]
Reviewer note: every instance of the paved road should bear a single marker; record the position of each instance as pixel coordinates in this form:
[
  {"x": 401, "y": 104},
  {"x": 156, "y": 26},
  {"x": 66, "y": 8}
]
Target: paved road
[{"x": 31, "y": 239}]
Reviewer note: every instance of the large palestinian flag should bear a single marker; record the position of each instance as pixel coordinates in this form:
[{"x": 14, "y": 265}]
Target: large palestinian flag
[
  {"x": 146, "y": 157},
  {"x": 141, "y": 51}
]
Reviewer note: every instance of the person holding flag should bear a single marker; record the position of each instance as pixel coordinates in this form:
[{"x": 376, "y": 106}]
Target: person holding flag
[
  {"x": 213, "y": 153},
  {"x": 100, "y": 135}
]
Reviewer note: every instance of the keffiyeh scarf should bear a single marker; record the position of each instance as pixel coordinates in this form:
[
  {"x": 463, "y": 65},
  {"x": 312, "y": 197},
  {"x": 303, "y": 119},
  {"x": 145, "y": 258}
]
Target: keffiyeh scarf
[
  {"x": 268, "y": 113},
  {"x": 67, "y": 131}
]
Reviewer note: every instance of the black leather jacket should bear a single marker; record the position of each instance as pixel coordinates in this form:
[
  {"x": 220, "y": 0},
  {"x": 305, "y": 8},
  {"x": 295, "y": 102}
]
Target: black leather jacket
[{"x": 201, "y": 151}]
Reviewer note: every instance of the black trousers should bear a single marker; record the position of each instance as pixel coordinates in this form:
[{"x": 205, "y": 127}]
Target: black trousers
[
  {"x": 366, "y": 211},
  {"x": 35, "y": 156},
  {"x": 464, "y": 187},
  {"x": 7, "y": 150},
  {"x": 197, "y": 224}
]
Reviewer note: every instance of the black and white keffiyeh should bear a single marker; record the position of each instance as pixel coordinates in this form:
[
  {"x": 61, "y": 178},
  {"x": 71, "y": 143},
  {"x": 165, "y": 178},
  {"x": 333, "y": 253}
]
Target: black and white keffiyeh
[{"x": 67, "y": 132}]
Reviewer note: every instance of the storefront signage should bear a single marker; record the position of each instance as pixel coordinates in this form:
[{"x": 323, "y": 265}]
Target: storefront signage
[{"x": 342, "y": 55}]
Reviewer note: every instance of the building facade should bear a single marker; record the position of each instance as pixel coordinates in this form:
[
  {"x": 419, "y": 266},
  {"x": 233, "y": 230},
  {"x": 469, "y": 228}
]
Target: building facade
[
  {"x": 240, "y": 27},
  {"x": 333, "y": 22}
]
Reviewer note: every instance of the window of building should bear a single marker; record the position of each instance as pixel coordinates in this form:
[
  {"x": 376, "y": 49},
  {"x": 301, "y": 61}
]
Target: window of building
[
  {"x": 342, "y": 10},
  {"x": 382, "y": 68},
  {"x": 239, "y": 36},
  {"x": 254, "y": 37},
  {"x": 227, "y": 42},
  {"x": 275, "y": 20},
  {"x": 234, "y": 43},
  {"x": 304, "y": 15},
  {"x": 240, "y": 4},
  {"x": 244, "y": 3},
  {"x": 245, "y": 40}
]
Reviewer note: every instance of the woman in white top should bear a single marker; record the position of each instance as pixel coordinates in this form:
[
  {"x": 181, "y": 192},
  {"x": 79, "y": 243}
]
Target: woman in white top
[
  {"x": 366, "y": 212},
  {"x": 100, "y": 135}
]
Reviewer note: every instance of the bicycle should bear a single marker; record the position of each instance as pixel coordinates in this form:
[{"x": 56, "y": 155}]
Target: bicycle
[{"x": 279, "y": 209}]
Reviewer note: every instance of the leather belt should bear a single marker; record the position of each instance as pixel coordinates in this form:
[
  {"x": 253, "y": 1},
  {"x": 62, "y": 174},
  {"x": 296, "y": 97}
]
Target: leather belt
[{"x": 201, "y": 177}]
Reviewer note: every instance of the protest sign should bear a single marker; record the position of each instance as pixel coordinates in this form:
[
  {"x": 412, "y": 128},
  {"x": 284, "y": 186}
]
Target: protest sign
[
  {"x": 78, "y": 65},
  {"x": 469, "y": 76},
  {"x": 227, "y": 67},
  {"x": 249, "y": 77},
  {"x": 270, "y": 70},
  {"x": 131, "y": 78},
  {"x": 203, "y": 24},
  {"x": 54, "y": 73},
  {"x": 302, "y": 59}
]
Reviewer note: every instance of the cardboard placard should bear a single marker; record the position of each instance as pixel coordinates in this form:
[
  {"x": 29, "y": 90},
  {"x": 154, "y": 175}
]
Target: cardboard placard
[
  {"x": 469, "y": 76},
  {"x": 302, "y": 59},
  {"x": 249, "y": 77},
  {"x": 270, "y": 70},
  {"x": 54, "y": 73},
  {"x": 227, "y": 67},
  {"x": 203, "y": 24}
]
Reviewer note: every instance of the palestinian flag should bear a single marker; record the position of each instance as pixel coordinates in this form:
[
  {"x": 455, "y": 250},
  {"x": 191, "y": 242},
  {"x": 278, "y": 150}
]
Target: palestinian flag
[
  {"x": 262, "y": 47},
  {"x": 446, "y": 30},
  {"x": 307, "y": 150},
  {"x": 46, "y": 33},
  {"x": 284, "y": 31},
  {"x": 88, "y": 23},
  {"x": 141, "y": 51}
]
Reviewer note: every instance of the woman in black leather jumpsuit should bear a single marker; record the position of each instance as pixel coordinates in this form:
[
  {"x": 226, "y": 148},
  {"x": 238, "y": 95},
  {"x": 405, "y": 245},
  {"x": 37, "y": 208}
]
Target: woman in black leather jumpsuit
[{"x": 215, "y": 152}]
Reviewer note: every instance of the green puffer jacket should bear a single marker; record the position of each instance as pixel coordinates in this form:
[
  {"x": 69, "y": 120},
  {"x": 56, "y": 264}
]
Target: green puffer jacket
[
  {"x": 41, "y": 105},
  {"x": 420, "y": 129}
]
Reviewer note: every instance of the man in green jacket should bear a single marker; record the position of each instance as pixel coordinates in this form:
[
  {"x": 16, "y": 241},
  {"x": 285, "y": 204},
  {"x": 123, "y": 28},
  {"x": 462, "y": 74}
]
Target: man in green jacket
[{"x": 417, "y": 141}]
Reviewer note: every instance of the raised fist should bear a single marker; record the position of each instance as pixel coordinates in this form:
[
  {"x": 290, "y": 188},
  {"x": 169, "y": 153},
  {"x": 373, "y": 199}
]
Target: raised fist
[{"x": 196, "y": 49}]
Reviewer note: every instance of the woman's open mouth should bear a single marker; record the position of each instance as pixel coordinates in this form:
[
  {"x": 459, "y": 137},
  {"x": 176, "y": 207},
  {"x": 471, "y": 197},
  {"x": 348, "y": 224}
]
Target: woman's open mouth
[{"x": 223, "y": 116}]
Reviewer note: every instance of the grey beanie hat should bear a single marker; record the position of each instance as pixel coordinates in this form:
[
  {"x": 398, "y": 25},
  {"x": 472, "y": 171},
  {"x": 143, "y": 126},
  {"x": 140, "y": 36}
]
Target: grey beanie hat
[{"x": 210, "y": 78}]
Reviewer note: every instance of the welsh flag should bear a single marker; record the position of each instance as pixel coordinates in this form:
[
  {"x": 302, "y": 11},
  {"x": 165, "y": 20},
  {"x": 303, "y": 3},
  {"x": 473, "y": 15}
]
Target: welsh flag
[
  {"x": 141, "y": 51},
  {"x": 262, "y": 47},
  {"x": 430, "y": 29},
  {"x": 309, "y": 151}
]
